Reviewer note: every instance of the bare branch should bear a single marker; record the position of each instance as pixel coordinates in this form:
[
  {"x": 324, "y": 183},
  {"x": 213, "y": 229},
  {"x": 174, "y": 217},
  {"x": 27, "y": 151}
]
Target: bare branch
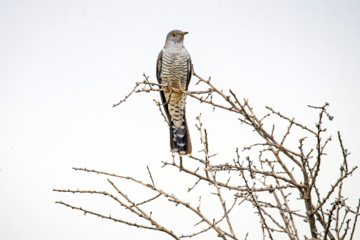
[
  {"x": 282, "y": 170},
  {"x": 152, "y": 180},
  {"x": 355, "y": 221},
  {"x": 291, "y": 121}
]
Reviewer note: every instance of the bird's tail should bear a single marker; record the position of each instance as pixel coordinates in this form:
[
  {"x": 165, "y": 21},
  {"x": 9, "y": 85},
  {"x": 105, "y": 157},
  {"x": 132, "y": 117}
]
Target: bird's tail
[{"x": 180, "y": 141}]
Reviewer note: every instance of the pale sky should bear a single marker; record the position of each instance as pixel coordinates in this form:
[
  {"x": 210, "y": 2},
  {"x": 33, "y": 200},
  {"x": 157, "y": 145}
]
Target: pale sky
[{"x": 63, "y": 64}]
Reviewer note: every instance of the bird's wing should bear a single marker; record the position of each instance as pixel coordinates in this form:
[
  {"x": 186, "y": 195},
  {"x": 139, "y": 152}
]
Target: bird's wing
[
  {"x": 158, "y": 67},
  {"x": 189, "y": 72}
]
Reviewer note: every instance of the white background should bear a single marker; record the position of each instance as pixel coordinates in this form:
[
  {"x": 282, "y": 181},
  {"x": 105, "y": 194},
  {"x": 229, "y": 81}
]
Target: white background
[{"x": 63, "y": 64}]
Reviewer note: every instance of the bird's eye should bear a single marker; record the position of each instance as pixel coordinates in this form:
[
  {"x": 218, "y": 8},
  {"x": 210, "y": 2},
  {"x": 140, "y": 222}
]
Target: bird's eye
[{"x": 174, "y": 35}]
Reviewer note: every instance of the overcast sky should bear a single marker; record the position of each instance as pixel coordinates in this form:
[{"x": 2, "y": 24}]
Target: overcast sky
[{"x": 63, "y": 64}]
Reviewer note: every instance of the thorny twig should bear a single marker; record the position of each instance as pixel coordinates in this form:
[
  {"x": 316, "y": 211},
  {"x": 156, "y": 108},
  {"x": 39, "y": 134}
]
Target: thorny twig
[{"x": 282, "y": 170}]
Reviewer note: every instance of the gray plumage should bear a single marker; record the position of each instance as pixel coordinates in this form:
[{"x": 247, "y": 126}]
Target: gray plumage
[{"x": 174, "y": 69}]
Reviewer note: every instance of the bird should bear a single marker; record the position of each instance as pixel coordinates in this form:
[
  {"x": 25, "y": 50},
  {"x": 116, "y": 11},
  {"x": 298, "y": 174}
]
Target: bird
[{"x": 174, "y": 69}]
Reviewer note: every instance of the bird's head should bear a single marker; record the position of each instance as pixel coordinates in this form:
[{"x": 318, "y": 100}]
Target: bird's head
[{"x": 176, "y": 36}]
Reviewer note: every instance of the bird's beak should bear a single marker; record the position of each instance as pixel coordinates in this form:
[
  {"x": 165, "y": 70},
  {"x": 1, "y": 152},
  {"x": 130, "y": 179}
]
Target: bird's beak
[{"x": 184, "y": 33}]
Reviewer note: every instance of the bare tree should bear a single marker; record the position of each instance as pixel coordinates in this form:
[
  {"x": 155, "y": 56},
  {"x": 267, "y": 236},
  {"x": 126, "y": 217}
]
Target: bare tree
[{"x": 281, "y": 183}]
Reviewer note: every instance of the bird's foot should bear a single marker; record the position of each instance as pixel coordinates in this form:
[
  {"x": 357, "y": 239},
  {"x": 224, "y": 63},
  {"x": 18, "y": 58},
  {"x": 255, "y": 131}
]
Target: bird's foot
[{"x": 180, "y": 91}]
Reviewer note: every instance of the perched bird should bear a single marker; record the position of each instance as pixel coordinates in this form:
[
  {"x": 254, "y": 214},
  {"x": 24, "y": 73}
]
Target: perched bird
[{"x": 174, "y": 69}]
